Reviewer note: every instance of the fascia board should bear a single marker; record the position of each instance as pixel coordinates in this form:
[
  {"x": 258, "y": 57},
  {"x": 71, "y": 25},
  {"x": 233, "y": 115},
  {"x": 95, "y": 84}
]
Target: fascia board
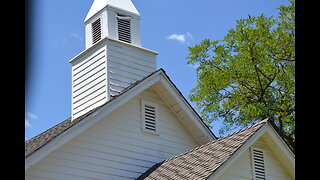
[
  {"x": 90, "y": 120},
  {"x": 280, "y": 142},
  {"x": 186, "y": 107},
  {"x": 96, "y": 7},
  {"x": 288, "y": 155},
  {"x": 217, "y": 173},
  {"x": 99, "y": 5},
  {"x": 106, "y": 39}
]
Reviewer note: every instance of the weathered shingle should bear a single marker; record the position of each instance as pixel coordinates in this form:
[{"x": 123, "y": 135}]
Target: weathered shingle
[
  {"x": 45, "y": 137},
  {"x": 201, "y": 162},
  {"x": 42, "y": 139}
]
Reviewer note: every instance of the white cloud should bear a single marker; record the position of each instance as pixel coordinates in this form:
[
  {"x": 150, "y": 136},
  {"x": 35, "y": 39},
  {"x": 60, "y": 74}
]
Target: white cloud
[
  {"x": 183, "y": 38},
  {"x": 32, "y": 116},
  {"x": 76, "y": 36},
  {"x": 29, "y": 117},
  {"x": 27, "y": 123},
  {"x": 178, "y": 37}
]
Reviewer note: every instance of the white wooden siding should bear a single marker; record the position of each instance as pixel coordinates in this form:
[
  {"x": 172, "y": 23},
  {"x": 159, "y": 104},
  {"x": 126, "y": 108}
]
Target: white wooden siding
[
  {"x": 242, "y": 168},
  {"x": 116, "y": 147},
  {"x": 127, "y": 65},
  {"x": 105, "y": 70},
  {"x": 89, "y": 85}
]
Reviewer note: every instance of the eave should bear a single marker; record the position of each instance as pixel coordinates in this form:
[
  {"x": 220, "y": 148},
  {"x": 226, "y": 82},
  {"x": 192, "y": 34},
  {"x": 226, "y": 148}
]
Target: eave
[{"x": 161, "y": 83}]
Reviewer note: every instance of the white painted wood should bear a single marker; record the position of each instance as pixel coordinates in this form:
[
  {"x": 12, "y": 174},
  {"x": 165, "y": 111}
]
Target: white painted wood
[
  {"x": 128, "y": 69},
  {"x": 193, "y": 123},
  {"x": 242, "y": 167},
  {"x": 151, "y": 109},
  {"x": 116, "y": 147},
  {"x": 97, "y": 88},
  {"x": 239, "y": 165},
  {"x": 129, "y": 77},
  {"x": 258, "y": 162},
  {"x": 107, "y": 11},
  {"x": 141, "y": 55},
  {"x": 101, "y": 113},
  {"x": 127, "y": 65},
  {"x": 281, "y": 150},
  {"x": 89, "y": 83},
  {"x": 99, "y": 5},
  {"x": 226, "y": 165},
  {"x": 105, "y": 70}
]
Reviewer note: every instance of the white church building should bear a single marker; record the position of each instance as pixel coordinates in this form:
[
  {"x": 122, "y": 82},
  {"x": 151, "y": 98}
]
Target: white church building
[{"x": 129, "y": 120}]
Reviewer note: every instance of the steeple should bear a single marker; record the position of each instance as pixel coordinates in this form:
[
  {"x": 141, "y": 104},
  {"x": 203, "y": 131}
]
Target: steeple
[
  {"x": 116, "y": 19},
  {"x": 113, "y": 58},
  {"x": 124, "y": 5}
]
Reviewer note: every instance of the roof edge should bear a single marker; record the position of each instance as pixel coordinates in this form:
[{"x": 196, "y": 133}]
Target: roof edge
[
  {"x": 110, "y": 39},
  {"x": 190, "y": 107},
  {"x": 99, "y": 5},
  {"x": 80, "y": 124},
  {"x": 260, "y": 131},
  {"x": 240, "y": 150}
]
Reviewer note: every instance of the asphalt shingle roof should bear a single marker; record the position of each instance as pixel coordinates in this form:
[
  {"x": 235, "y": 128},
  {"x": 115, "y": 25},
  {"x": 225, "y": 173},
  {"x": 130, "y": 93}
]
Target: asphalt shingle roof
[
  {"x": 45, "y": 137},
  {"x": 198, "y": 163},
  {"x": 201, "y": 162}
]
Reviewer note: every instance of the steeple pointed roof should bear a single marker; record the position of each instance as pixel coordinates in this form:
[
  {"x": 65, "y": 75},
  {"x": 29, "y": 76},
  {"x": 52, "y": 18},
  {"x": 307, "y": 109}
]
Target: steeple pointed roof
[{"x": 98, "y": 5}]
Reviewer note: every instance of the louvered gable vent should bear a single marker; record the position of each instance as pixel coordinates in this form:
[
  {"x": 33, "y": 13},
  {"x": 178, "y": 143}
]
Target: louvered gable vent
[
  {"x": 258, "y": 164},
  {"x": 96, "y": 31},
  {"x": 124, "y": 28},
  {"x": 149, "y": 116}
]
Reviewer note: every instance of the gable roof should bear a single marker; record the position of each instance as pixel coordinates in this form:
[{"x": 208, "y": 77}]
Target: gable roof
[
  {"x": 98, "y": 5},
  {"x": 45, "y": 137},
  {"x": 158, "y": 79},
  {"x": 211, "y": 159},
  {"x": 201, "y": 162}
]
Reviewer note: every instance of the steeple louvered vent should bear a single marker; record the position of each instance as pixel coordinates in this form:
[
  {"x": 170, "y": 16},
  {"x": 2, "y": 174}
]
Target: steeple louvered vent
[
  {"x": 258, "y": 164},
  {"x": 96, "y": 31},
  {"x": 124, "y": 28}
]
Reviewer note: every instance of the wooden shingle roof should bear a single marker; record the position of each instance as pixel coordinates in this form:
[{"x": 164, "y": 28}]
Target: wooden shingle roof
[{"x": 201, "y": 162}]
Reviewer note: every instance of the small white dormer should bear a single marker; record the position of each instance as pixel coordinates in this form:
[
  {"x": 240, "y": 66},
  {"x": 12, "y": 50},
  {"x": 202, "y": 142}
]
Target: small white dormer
[{"x": 115, "y": 19}]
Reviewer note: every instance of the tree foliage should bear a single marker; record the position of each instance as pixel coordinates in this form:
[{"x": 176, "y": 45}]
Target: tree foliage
[{"x": 250, "y": 74}]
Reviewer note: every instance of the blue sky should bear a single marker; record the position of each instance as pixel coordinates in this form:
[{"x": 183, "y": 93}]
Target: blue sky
[{"x": 167, "y": 26}]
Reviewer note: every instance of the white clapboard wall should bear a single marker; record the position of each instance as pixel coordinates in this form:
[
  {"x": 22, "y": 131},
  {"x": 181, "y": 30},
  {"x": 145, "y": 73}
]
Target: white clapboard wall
[
  {"x": 116, "y": 147},
  {"x": 127, "y": 64},
  {"x": 106, "y": 69},
  {"x": 89, "y": 81},
  {"x": 242, "y": 168}
]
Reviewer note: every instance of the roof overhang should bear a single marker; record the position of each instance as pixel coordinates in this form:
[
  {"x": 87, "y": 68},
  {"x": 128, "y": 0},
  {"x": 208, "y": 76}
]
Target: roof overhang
[
  {"x": 104, "y": 41},
  {"x": 273, "y": 139},
  {"x": 157, "y": 80},
  {"x": 124, "y": 5}
]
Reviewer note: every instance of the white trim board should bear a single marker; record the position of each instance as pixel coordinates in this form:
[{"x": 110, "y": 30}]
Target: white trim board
[
  {"x": 267, "y": 132},
  {"x": 113, "y": 104}
]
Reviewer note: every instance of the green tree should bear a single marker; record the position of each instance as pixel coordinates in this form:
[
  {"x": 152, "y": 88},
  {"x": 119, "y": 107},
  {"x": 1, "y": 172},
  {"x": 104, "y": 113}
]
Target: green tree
[{"x": 250, "y": 74}]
